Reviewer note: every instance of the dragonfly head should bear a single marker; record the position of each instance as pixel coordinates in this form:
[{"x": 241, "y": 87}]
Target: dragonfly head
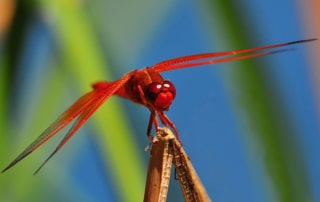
[{"x": 161, "y": 95}]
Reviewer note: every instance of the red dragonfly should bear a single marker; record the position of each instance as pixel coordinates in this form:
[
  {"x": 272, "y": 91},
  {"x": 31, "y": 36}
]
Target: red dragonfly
[{"x": 145, "y": 87}]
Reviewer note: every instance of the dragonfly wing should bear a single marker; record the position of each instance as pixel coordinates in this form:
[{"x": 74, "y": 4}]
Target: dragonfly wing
[
  {"x": 104, "y": 94},
  {"x": 75, "y": 127},
  {"x": 206, "y": 58},
  {"x": 82, "y": 105},
  {"x": 72, "y": 112}
]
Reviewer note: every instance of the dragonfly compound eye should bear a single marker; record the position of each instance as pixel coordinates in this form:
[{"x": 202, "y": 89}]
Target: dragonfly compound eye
[
  {"x": 169, "y": 87},
  {"x": 161, "y": 95}
]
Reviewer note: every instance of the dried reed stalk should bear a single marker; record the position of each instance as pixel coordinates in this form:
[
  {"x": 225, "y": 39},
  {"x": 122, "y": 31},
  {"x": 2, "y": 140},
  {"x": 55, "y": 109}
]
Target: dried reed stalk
[
  {"x": 159, "y": 169},
  {"x": 166, "y": 149}
]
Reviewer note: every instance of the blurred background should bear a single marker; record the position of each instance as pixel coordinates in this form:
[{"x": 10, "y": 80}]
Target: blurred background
[{"x": 251, "y": 128}]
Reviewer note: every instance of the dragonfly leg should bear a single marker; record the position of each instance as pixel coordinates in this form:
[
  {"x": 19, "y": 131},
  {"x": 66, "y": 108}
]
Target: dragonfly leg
[
  {"x": 166, "y": 121},
  {"x": 142, "y": 96},
  {"x": 152, "y": 120}
]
